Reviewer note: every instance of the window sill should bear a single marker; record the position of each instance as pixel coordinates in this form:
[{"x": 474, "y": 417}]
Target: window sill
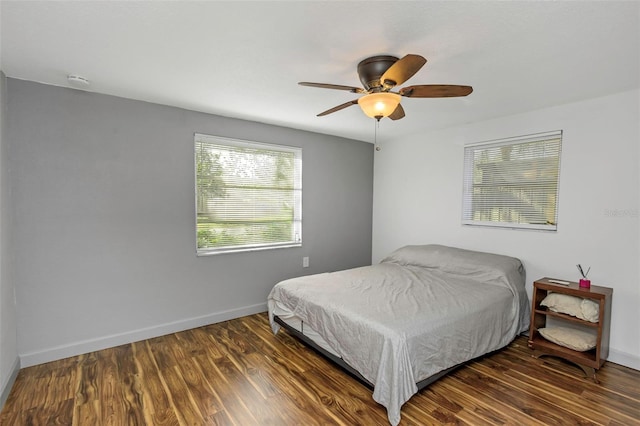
[{"x": 213, "y": 252}]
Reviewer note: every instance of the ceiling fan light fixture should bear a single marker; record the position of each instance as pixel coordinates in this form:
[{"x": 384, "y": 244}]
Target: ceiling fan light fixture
[{"x": 377, "y": 105}]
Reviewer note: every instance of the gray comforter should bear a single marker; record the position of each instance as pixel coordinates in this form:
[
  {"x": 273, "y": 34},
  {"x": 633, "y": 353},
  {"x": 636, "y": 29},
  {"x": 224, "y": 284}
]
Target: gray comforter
[{"x": 422, "y": 310}]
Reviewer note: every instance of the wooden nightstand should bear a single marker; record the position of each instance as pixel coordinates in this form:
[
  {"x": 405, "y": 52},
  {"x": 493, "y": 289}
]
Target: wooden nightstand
[{"x": 589, "y": 361}]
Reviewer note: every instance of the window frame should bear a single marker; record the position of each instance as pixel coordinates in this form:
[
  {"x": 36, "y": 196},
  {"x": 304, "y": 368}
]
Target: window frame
[
  {"x": 297, "y": 193},
  {"x": 467, "y": 192}
]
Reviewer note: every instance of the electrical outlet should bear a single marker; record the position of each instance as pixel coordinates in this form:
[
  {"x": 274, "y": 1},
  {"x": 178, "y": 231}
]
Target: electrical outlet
[{"x": 305, "y": 262}]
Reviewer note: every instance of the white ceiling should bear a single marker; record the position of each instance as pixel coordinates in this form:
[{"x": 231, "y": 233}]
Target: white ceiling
[{"x": 244, "y": 59}]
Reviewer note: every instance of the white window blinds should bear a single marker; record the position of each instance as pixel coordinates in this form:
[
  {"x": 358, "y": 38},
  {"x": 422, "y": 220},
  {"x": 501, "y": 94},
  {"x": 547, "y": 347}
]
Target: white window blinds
[
  {"x": 513, "y": 182},
  {"x": 248, "y": 195}
]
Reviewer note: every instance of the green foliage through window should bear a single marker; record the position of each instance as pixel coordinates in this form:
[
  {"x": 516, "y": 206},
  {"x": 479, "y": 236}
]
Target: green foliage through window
[
  {"x": 513, "y": 182},
  {"x": 248, "y": 195}
]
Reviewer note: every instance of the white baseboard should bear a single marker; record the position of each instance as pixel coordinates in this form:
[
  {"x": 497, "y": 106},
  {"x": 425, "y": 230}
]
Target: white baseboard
[
  {"x": 65, "y": 351},
  {"x": 8, "y": 384},
  {"x": 623, "y": 358}
]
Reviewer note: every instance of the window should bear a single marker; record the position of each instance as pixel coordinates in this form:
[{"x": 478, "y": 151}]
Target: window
[
  {"x": 513, "y": 182},
  {"x": 248, "y": 195}
]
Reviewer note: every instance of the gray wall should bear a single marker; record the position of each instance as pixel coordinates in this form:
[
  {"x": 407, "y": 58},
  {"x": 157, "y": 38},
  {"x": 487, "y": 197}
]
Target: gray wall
[
  {"x": 9, "y": 362},
  {"x": 103, "y": 197}
]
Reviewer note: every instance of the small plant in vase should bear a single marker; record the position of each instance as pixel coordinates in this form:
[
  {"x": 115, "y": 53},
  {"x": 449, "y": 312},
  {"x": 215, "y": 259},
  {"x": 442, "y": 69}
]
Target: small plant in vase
[{"x": 584, "y": 281}]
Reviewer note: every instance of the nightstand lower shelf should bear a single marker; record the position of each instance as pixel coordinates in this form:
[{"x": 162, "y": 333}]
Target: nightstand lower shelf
[{"x": 585, "y": 360}]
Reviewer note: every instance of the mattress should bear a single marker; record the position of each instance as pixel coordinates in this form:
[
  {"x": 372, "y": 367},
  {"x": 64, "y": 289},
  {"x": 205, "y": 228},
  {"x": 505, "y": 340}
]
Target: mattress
[{"x": 422, "y": 310}]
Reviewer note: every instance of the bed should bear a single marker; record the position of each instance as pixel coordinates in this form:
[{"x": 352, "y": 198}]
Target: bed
[{"x": 402, "y": 323}]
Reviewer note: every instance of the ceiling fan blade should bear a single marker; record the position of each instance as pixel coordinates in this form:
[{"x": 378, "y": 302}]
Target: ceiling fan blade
[
  {"x": 435, "y": 91},
  {"x": 338, "y": 108},
  {"x": 402, "y": 70},
  {"x": 332, "y": 86},
  {"x": 397, "y": 113}
]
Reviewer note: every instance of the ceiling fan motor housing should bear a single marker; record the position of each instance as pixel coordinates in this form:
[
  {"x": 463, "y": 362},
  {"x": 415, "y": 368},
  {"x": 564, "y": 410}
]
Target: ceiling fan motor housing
[{"x": 371, "y": 69}]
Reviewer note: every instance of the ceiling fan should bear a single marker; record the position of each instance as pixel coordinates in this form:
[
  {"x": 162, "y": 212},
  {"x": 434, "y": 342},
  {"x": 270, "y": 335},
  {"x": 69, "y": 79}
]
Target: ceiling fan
[{"x": 379, "y": 75}]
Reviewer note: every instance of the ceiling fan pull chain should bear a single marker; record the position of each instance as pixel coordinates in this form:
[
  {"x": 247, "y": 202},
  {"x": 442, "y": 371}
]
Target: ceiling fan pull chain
[{"x": 375, "y": 135}]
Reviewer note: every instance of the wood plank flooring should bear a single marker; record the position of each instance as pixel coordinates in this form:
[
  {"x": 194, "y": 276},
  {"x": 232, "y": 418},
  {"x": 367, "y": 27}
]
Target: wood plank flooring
[{"x": 238, "y": 373}]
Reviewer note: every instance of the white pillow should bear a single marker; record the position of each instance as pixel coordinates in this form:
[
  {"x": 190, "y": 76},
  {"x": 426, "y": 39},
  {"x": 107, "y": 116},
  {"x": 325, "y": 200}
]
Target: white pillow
[
  {"x": 569, "y": 338},
  {"x": 585, "y": 309}
]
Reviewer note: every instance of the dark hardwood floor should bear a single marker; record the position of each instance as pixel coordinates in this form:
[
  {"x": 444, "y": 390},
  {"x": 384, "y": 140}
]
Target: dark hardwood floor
[{"x": 238, "y": 373}]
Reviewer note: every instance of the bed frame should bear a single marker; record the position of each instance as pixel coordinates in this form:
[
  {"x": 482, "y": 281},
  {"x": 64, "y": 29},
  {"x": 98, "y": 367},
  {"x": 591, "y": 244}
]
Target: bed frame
[{"x": 346, "y": 367}]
